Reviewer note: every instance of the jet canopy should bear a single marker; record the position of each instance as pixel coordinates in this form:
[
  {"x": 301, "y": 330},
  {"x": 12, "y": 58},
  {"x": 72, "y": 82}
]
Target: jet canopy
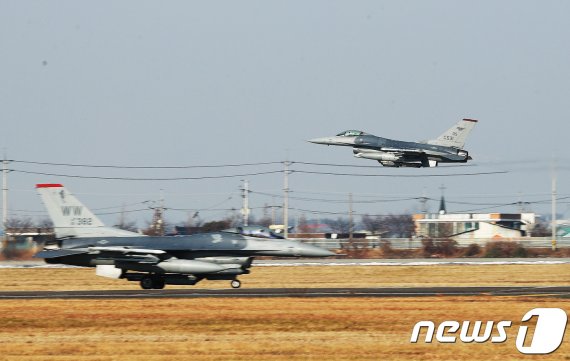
[
  {"x": 350, "y": 133},
  {"x": 254, "y": 231}
]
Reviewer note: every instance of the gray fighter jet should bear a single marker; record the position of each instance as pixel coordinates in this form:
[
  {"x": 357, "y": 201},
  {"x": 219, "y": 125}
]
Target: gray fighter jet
[
  {"x": 447, "y": 148},
  {"x": 83, "y": 240}
]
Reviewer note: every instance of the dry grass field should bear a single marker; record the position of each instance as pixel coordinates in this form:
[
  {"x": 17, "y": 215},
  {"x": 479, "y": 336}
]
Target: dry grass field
[
  {"x": 268, "y": 329},
  {"x": 260, "y": 329}
]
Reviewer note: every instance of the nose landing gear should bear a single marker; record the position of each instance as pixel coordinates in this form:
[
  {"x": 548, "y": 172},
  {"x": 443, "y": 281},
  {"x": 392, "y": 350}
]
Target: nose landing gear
[{"x": 236, "y": 283}]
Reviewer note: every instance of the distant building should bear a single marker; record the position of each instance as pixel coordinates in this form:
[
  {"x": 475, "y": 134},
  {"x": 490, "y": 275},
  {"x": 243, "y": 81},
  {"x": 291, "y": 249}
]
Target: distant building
[{"x": 474, "y": 225}]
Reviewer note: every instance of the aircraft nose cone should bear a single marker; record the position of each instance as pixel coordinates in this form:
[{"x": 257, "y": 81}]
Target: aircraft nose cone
[
  {"x": 333, "y": 140},
  {"x": 323, "y": 140}
]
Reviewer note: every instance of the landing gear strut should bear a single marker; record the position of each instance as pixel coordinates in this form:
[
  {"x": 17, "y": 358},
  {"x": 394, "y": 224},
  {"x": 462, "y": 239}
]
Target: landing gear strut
[{"x": 236, "y": 283}]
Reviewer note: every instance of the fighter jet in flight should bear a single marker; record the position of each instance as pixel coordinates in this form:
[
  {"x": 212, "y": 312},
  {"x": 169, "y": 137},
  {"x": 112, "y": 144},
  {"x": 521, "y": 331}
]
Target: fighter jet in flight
[
  {"x": 447, "y": 148},
  {"x": 83, "y": 240}
]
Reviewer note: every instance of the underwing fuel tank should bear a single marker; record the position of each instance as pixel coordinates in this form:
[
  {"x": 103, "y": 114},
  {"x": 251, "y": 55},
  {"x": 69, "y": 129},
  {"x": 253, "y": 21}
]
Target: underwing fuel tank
[
  {"x": 376, "y": 155},
  {"x": 189, "y": 266},
  {"x": 183, "y": 266}
]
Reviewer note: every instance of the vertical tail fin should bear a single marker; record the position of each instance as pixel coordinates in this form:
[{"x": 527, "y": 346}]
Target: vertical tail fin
[
  {"x": 71, "y": 218},
  {"x": 456, "y": 135}
]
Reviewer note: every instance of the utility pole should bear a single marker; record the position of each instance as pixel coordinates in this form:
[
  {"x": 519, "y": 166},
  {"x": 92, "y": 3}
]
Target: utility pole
[
  {"x": 350, "y": 218},
  {"x": 442, "y": 208},
  {"x": 245, "y": 208},
  {"x": 162, "y": 210},
  {"x": 157, "y": 219},
  {"x": 286, "y": 199},
  {"x": 554, "y": 207},
  {"x": 4, "y": 193},
  {"x": 122, "y": 218},
  {"x": 273, "y": 211},
  {"x": 423, "y": 201}
]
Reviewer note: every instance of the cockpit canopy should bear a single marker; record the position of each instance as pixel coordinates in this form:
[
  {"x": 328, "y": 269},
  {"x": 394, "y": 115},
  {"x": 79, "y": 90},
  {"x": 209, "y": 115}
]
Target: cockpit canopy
[
  {"x": 254, "y": 231},
  {"x": 350, "y": 133}
]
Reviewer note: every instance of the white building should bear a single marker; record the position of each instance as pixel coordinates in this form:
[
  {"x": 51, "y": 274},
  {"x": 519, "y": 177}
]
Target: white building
[{"x": 463, "y": 226}]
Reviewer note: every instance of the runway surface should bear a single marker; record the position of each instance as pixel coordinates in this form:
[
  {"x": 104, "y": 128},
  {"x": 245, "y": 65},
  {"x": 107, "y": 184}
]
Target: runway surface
[{"x": 562, "y": 292}]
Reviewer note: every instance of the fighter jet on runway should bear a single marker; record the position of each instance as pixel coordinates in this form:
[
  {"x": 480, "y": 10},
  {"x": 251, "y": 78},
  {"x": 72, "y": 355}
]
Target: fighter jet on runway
[
  {"x": 83, "y": 240},
  {"x": 447, "y": 148}
]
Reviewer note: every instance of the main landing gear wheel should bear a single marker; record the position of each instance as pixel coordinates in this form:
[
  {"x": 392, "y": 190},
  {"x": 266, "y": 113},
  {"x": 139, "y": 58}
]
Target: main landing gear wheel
[
  {"x": 158, "y": 283},
  {"x": 236, "y": 283},
  {"x": 148, "y": 283}
]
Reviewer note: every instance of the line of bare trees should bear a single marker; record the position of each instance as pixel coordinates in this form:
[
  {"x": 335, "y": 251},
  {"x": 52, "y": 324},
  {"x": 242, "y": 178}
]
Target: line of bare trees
[
  {"x": 21, "y": 225},
  {"x": 391, "y": 226}
]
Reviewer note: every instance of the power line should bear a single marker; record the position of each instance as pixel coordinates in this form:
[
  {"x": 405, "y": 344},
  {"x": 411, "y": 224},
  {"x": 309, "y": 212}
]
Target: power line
[
  {"x": 363, "y": 166},
  {"x": 344, "y": 213},
  {"x": 144, "y": 167},
  {"x": 147, "y": 179},
  {"x": 338, "y": 200},
  {"x": 210, "y": 208},
  {"x": 487, "y": 208},
  {"x": 227, "y": 176},
  {"x": 402, "y": 175},
  {"x": 543, "y": 201},
  {"x": 121, "y": 206},
  {"x": 86, "y": 165},
  {"x": 468, "y": 203},
  {"x": 26, "y": 211},
  {"x": 491, "y": 206},
  {"x": 317, "y": 212},
  {"x": 337, "y": 165},
  {"x": 476, "y": 196},
  {"x": 120, "y": 212}
]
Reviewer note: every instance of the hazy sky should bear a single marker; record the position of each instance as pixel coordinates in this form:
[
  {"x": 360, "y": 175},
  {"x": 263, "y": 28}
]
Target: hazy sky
[{"x": 219, "y": 82}]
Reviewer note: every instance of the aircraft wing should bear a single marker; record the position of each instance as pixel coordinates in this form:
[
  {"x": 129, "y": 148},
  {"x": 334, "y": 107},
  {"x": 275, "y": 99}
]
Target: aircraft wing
[
  {"x": 402, "y": 151},
  {"x": 418, "y": 152},
  {"x": 126, "y": 254},
  {"x": 126, "y": 250}
]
